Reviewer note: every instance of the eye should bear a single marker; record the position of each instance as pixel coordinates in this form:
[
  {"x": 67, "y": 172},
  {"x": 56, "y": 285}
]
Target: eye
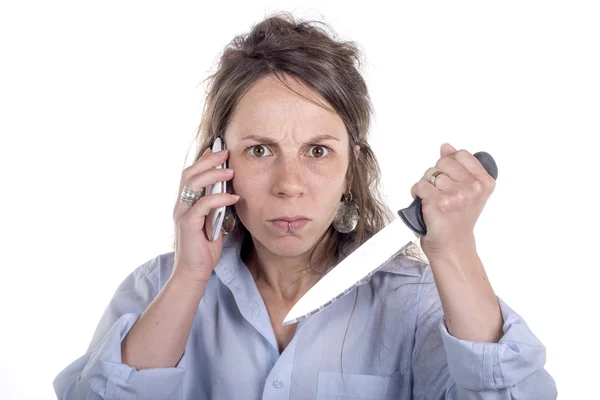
[
  {"x": 259, "y": 150},
  {"x": 318, "y": 151}
]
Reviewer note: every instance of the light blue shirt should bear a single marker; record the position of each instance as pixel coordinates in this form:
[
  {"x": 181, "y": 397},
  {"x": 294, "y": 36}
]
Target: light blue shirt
[{"x": 395, "y": 345}]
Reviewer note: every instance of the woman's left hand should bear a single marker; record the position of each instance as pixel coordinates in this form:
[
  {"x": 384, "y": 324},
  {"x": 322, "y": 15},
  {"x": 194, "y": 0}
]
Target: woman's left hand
[{"x": 451, "y": 207}]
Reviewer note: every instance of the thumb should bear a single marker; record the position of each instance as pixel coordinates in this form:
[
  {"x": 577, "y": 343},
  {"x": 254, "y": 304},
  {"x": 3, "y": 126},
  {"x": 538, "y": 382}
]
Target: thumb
[{"x": 447, "y": 149}]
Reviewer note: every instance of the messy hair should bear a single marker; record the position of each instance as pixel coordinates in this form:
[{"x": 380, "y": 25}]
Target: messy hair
[{"x": 311, "y": 53}]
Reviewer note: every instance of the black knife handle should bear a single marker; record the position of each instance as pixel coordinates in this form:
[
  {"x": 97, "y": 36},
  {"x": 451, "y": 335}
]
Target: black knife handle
[{"x": 413, "y": 214}]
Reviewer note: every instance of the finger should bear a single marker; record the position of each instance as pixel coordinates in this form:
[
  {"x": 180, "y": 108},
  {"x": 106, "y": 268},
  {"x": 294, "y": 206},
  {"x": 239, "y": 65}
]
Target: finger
[
  {"x": 447, "y": 149},
  {"x": 210, "y": 177},
  {"x": 195, "y": 215},
  {"x": 454, "y": 168},
  {"x": 472, "y": 164},
  {"x": 443, "y": 182},
  {"x": 204, "y": 180},
  {"x": 425, "y": 190},
  {"x": 208, "y": 160}
]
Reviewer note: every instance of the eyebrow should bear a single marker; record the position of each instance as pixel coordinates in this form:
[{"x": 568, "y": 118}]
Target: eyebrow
[{"x": 265, "y": 139}]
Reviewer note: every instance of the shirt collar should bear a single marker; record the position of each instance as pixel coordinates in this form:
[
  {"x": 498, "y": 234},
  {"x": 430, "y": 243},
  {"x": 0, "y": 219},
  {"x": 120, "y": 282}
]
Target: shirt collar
[
  {"x": 402, "y": 265},
  {"x": 398, "y": 265},
  {"x": 230, "y": 262}
]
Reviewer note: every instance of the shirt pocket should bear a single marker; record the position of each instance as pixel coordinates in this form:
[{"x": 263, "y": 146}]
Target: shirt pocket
[{"x": 331, "y": 386}]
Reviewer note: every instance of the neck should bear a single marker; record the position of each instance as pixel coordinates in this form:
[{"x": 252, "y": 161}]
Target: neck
[{"x": 286, "y": 278}]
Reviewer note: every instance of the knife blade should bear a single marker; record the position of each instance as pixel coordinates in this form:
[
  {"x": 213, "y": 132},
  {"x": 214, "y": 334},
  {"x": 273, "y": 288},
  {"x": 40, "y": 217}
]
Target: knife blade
[{"x": 360, "y": 265}]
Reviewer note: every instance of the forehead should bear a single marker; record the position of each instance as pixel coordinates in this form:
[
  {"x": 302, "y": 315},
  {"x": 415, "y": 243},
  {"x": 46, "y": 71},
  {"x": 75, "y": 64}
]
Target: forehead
[{"x": 269, "y": 108}]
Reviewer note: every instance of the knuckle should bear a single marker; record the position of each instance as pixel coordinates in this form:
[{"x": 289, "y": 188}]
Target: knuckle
[
  {"x": 462, "y": 156},
  {"x": 442, "y": 163},
  {"x": 443, "y": 203},
  {"x": 477, "y": 187},
  {"x": 193, "y": 182},
  {"x": 184, "y": 221},
  {"x": 461, "y": 199},
  {"x": 185, "y": 174},
  {"x": 203, "y": 202}
]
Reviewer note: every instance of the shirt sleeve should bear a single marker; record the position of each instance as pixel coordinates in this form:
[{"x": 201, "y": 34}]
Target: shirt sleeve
[
  {"x": 445, "y": 367},
  {"x": 100, "y": 373}
]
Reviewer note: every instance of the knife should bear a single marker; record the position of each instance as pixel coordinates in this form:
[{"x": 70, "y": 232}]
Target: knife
[{"x": 360, "y": 265}]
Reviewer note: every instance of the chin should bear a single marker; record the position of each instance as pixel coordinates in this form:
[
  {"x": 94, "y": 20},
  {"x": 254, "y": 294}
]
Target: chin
[{"x": 288, "y": 245}]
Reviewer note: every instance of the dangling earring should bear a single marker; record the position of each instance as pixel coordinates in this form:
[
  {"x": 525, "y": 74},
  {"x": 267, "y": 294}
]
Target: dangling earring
[
  {"x": 346, "y": 216},
  {"x": 229, "y": 221}
]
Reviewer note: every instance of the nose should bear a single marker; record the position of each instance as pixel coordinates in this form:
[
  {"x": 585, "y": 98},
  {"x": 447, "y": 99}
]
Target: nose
[{"x": 288, "y": 177}]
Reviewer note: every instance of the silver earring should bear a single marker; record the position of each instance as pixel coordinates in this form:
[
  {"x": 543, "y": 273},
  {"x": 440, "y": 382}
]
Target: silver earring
[
  {"x": 229, "y": 221},
  {"x": 346, "y": 216}
]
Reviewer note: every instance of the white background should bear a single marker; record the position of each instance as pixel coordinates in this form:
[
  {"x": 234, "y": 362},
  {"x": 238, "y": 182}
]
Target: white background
[{"x": 99, "y": 102}]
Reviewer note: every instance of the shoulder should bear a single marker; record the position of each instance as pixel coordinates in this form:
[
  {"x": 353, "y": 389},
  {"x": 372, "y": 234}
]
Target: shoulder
[
  {"x": 158, "y": 270},
  {"x": 402, "y": 267},
  {"x": 155, "y": 271},
  {"x": 406, "y": 266},
  {"x": 404, "y": 279}
]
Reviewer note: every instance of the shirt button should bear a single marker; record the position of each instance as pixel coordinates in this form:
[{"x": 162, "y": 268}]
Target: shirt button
[
  {"x": 277, "y": 384},
  {"x": 255, "y": 309}
]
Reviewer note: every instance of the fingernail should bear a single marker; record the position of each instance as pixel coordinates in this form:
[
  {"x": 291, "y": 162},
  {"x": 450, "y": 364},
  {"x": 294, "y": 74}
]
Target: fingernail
[
  {"x": 229, "y": 170},
  {"x": 223, "y": 151},
  {"x": 235, "y": 196},
  {"x": 205, "y": 151}
]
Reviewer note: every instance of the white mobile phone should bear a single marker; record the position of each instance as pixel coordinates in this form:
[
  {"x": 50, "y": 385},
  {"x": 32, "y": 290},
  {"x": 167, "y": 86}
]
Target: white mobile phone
[{"x": 214, "y": 220}]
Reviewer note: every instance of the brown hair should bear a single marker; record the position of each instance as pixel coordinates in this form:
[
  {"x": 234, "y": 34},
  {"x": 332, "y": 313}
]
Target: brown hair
[{"x": 280, "y": 45}]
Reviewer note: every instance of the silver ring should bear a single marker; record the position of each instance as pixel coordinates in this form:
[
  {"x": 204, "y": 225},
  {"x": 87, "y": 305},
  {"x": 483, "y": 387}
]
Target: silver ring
[
  {"x": 435, "y": 175},
  {"x": 189, "y": 196}
]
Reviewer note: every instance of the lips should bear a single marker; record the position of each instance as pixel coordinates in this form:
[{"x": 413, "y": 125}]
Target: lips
[{"x": 289, "y": 223}]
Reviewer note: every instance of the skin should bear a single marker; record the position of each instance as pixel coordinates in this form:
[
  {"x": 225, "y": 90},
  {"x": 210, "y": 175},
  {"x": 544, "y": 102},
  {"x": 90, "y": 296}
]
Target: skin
[
  {"x": 278, "y": 173},
  {"x": 451, "y": 209},
  {"x": 289, "y": 181},
  {"x": 285, "y": 166}
]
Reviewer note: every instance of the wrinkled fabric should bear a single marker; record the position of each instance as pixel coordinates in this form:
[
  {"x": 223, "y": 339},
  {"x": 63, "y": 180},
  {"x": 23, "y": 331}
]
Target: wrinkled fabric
[{"x": 386, "y": 339}]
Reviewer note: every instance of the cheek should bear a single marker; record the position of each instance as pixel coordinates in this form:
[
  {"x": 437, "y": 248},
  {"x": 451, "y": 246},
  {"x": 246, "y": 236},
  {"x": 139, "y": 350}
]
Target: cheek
[
  {"x": 327, "y": 186},
  {"x": 330, "y": 173},
  {"x": 330, "y": 181},
  {"x": 247, "y": 184},
  {"x": 245, "y": 180},
  {"x": 252, "y": 187}
]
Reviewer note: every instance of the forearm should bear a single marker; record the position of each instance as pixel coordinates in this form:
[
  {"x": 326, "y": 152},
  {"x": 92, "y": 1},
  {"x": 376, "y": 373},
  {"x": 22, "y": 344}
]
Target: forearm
[
  {"x": 159, "y": 337},
  {"x": 471, "y": 309}
]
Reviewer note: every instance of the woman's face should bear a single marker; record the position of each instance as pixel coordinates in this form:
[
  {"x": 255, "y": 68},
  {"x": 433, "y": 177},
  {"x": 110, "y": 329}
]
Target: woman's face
[{"x": 290, "y": 158}]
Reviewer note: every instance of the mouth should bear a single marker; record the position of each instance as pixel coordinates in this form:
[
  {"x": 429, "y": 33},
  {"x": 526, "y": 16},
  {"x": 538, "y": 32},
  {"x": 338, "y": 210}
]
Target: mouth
[{"x": 290, "y": 223}]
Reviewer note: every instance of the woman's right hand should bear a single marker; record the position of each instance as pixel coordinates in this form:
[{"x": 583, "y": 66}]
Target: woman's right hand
[{"x": 195, "y": 255}]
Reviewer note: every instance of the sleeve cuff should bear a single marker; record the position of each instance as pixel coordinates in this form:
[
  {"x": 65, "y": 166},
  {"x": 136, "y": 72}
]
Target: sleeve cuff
[
  {"x": 109, "y": 378},
  {"x": 482, "y": 366}
]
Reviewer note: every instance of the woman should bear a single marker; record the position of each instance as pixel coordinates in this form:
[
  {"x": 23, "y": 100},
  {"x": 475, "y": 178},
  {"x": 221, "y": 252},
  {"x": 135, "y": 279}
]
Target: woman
[{"x": 205, "y": 321}]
